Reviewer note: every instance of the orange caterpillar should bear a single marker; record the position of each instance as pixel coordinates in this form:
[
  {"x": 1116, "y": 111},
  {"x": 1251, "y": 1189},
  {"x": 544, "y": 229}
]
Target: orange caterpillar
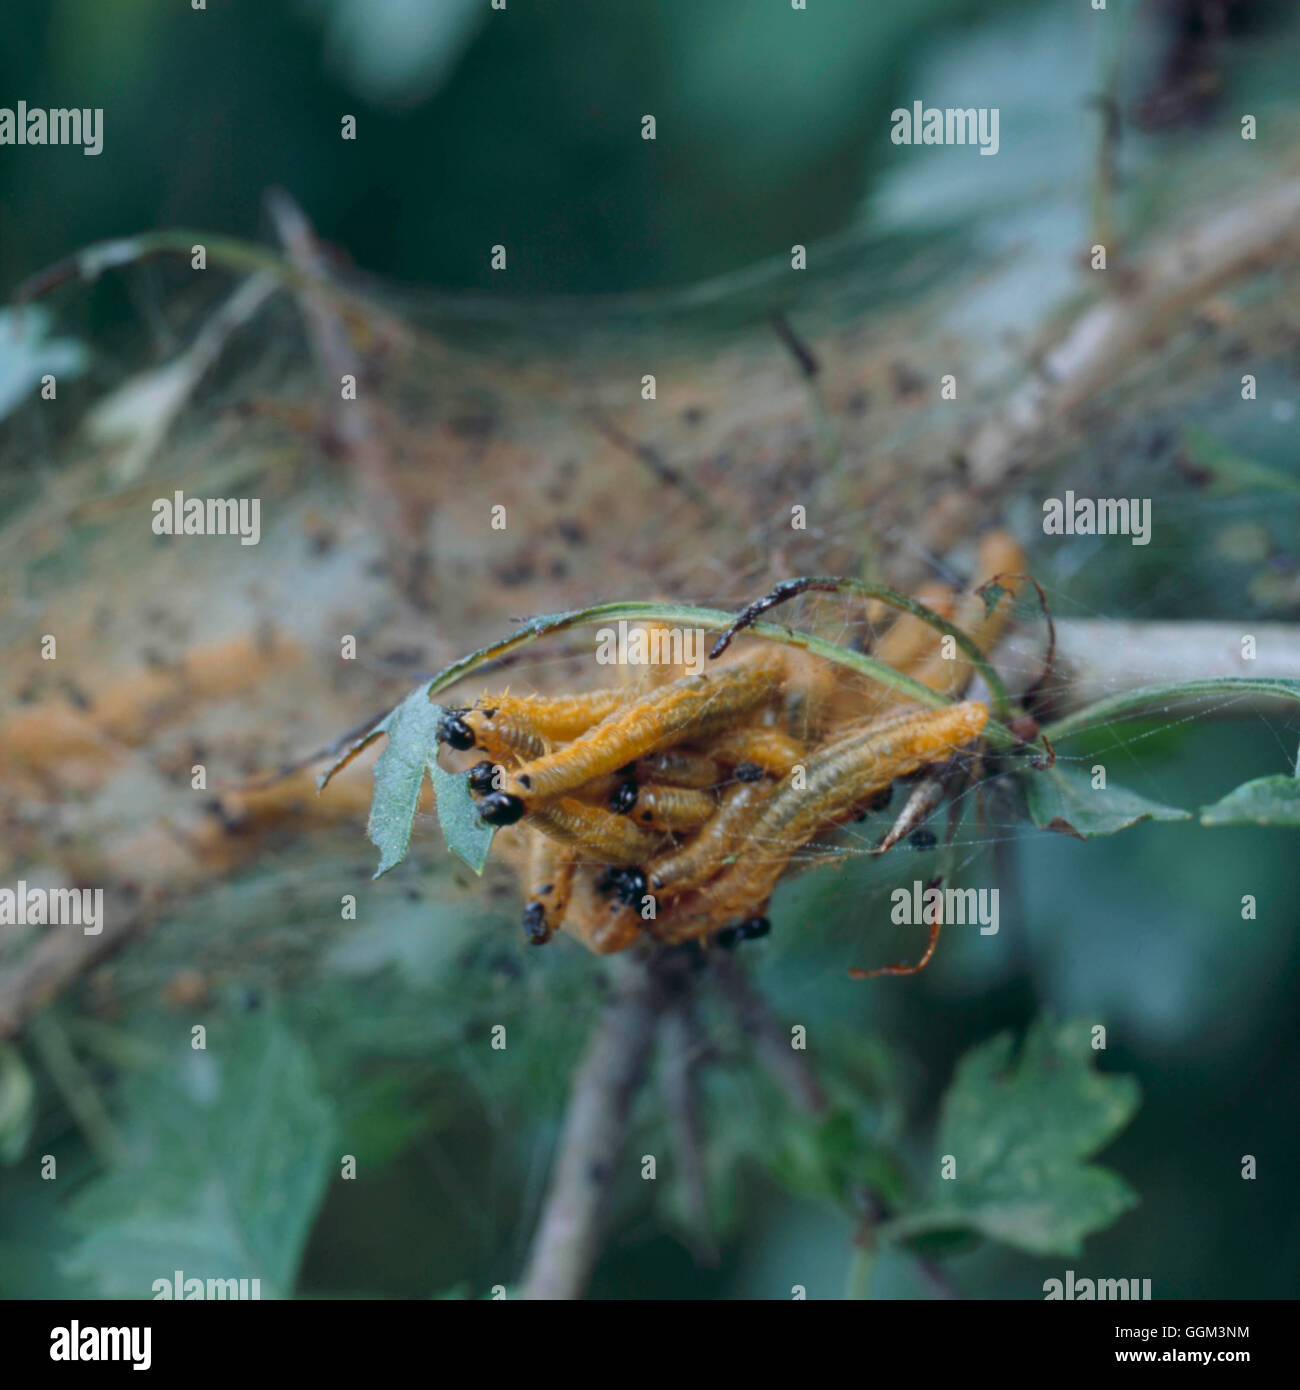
[{"x": 687, "y": 708}]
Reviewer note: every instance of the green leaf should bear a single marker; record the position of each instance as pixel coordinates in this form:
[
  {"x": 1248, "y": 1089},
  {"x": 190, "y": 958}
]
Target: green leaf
[
  {"x": 466, "y": 832},
  {"x": 1265, "y": 801},
  {"x": 1020, "y": 1131},
  {"x": 229, "y": 1152},
  {"x": 828, "y": 1158},
  {"x": 412, "y": 730},
  {"x": 412, "y": 733},
  {"x": 1062, "y": 799}
]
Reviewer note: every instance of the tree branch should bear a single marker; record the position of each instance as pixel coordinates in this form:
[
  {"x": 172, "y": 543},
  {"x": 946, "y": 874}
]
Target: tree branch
[
  {"x": 1106, "y": 656},
  {"x": 1244, "y": 239}
]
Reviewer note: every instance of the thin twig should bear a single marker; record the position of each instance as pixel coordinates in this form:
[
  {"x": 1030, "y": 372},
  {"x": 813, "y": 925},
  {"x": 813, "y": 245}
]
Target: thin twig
[
  {"x": 1231, "y": 243},
  {"x": 683, "y": 1049},
  {"x": 665, "y": 472},
  {"x": 787, "y": 1067},
  {"x": 567, "y": 1243},
  {"x": 795, "y": 346}
]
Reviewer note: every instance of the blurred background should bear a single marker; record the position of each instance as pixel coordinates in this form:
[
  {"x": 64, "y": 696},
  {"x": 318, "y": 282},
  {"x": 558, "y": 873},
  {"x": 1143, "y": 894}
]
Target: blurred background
[{"x": 523, "y": 127}]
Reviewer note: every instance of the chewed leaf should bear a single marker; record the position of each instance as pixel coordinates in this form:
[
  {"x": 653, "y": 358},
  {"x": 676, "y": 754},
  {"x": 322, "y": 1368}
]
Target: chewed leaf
[
  {"x": 467, "y": 834},
  {"x": 412, "y": 731},
  {"x": 1063, "y": 799},
  {"x": 1017, "y": 1133},
  {"x": 1265, "y": 801},
  {"x": 412, "y": 749}
]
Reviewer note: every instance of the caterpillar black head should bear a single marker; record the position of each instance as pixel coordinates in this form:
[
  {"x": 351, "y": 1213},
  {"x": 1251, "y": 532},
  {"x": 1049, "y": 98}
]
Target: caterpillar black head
[
  {"x": 500, "y": 808},
  {"x": 623, "y": 797},
  {"x": 453, "y": 731},
  {"x": 627, "y": 885},
  {"x": 480, "y": 777}
]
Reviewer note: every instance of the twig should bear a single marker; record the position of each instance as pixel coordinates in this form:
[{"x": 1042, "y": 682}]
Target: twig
[
  {"x": 683, "y": 1049},
  {"x": 47, "y": 969},
  {"x": 788, "y": 1068},
  {"x": 566, "y": 1245},
  {"x": 1105, "y": 656},
  {"x": 795, "y": 346},
  {"x": 667, "y": 473},
  {"x": 353, "y": 429},
  {"x": 1245, "y": 238},
  {"x": 137, "y": 417}
]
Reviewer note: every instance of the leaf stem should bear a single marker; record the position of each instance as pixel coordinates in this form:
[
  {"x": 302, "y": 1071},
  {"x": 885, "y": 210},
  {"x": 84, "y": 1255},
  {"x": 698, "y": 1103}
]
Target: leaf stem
[{"x": 1144, "y": 698}]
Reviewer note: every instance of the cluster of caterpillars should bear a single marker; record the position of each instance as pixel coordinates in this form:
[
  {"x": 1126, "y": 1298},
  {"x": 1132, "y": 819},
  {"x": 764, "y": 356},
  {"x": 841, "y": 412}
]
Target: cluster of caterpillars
[{"x": 671, "y": 810}]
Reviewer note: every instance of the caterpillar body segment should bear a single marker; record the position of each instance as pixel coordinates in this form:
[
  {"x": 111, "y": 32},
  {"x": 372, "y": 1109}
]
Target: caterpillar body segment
[
  {"x": 666, "y": 659},
  {"x": 687, "y": 709},
  {"x": 984, "y": 628},
  {"x": 520, "y": 728},
  {"x": 598, "y": 835},
  {"x": 680, "y": 809},
  {"x": 555, "y": 717},
  {"x": 691, "y": 864},
  {"x": 908, "y": 639}
]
